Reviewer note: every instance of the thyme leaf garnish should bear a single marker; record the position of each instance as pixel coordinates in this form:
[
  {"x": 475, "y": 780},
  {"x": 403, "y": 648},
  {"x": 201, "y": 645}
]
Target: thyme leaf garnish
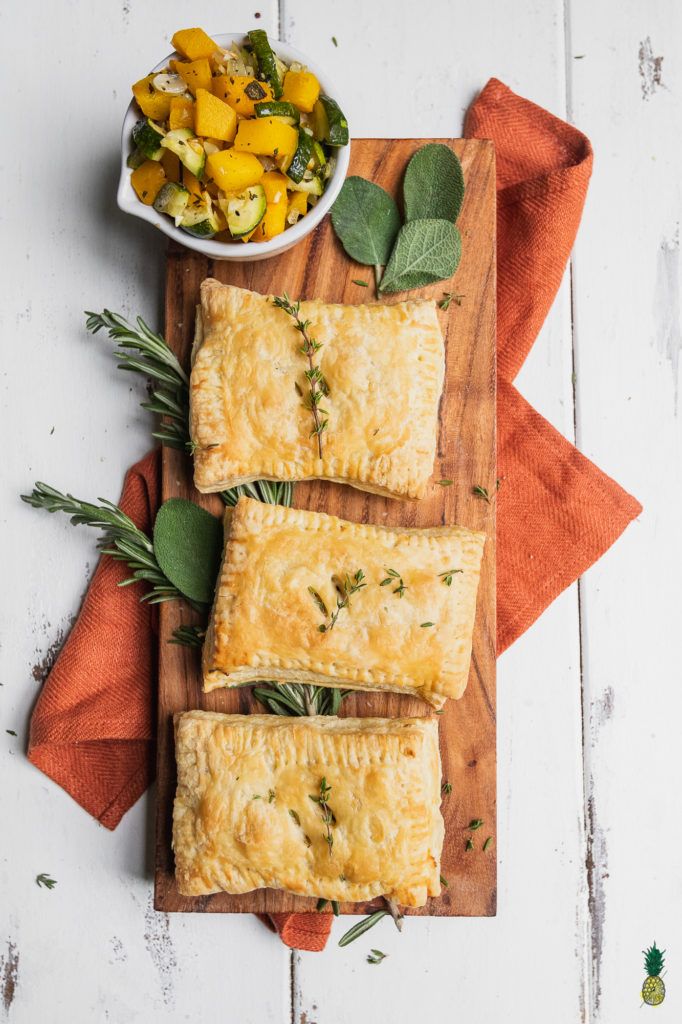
[
  {"x": 45, "y": 881},
  {"x": 474, "y": 824},
  {"x": 345, "y": 588},
  {"x": 375, "y": 956},
  {"x": 446, "y": 788},
  {"x": 487, "y": 843},
  {"x": 449, "y": 297},
  {"x": 394, "y": 577},
  {"x": 319, "y": 388},
  {"x": 446, "y": 577},
  {"x": 328, "y": 818},
  {"x": 481, "y": 492}
]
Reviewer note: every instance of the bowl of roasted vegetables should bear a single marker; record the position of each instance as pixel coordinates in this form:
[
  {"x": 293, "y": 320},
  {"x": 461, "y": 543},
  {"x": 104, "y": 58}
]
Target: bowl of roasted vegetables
[{"x": 233, "y": 146}]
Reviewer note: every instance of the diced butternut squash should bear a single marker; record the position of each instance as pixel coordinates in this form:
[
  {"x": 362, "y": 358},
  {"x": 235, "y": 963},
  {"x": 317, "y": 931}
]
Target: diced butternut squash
[
  {"x": 196, "y": 75},
  {"x": 273, "y": 223},
  {"x": 298, "y": 203},
  {"x": 232, "y": 89},
  {"x": 213, "y": 118},
  {"x": 151, "y": 102},
  {"x": 171, "y": 165},
  {"x": 191, "y": 183},
  {"x": 147, "y": 181},
  {"x": 302, "y": 89},
  {"x": 266, "y": 136},
  {"x": 181, "y": 113},
  {"x": 233, "y": 171},
  {"x": 194, "y": 43},
  {"x": 275, "y": 186}
]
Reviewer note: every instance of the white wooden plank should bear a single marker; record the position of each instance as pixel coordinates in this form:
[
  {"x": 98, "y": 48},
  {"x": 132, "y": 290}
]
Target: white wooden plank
[
  {"x": 479, "y": 967},
  {"x": 628, "y": 337},
  {"x": 91, "y": 949}
]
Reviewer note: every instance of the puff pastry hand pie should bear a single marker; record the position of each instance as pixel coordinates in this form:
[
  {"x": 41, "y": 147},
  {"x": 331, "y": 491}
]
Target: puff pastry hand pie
[
  {"x": 247, "y": 813},
  {"x": 290, "y": 605},
  {"x": 384, "y": 368}
]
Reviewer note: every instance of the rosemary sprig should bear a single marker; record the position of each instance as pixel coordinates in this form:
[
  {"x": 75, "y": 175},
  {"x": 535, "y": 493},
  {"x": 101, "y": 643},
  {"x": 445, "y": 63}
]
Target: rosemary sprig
[
  {"x": 122, "y": 540},
  {"x": 268, "y": 491},
  {"x": 300, "y": 699},
  {"x": 328, "y": 818},
  {"x": 446, "y": 577},
  {"x": 319, "y": 389},
  {"x": 394, "y": 577},
  {"x": 189, "y": 636},
  {"x": 142, "y": 351},
  {"x": 345, "y": 588}
]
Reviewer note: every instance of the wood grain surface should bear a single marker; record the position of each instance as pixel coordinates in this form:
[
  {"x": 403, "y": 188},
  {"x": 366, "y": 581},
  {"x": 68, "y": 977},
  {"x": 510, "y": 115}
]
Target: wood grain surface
[{"x": 319, "y": 268}]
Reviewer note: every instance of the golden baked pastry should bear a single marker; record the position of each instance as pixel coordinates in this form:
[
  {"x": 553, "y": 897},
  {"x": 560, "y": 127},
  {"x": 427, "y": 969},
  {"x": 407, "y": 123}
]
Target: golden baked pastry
[
  {"x": 283, "y": 566},
  {"x": 247, "y": 813},
  {"x": 384, "y": 367}
]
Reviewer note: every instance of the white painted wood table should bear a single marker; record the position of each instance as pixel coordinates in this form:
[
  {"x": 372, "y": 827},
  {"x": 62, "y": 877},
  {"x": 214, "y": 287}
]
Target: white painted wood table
[{"x": 590, "y": 699}]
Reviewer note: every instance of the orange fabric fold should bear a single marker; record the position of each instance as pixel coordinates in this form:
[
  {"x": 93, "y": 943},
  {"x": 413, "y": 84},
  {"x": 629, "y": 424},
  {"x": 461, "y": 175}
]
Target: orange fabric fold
[{"x": 92, "y": 727}]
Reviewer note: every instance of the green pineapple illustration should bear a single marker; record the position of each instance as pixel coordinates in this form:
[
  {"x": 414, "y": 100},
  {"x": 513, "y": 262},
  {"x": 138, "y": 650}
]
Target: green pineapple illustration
[{"x": 653, "y": 989}]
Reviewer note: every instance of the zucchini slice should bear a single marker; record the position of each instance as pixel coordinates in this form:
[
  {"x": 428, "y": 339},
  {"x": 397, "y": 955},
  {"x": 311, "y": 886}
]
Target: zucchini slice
[
  {"x": 188, "y": 149},
  {"x": 199, "y": 218},
  {"x": 280, "y": 109},
  {"x": 329, "y": 122},
  {"x": 319, "y": 155},
  {"x": 172, "y": 199},
  {"x": 268, "y": 65},
  {"x": 302, "y": 156},
  {"x": 313, "y": 186},
  {"x": 148, "y": 138},
  {"x": 245, "y": 210},
  {"x": 136, "y": 159}
]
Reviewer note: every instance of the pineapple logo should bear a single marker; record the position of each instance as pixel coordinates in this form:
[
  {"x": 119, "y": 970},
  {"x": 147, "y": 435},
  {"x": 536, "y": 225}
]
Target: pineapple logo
[{"x": 653, "y": 989}]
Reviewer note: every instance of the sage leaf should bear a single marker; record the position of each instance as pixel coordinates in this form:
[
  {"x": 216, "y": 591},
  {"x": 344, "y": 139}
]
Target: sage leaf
[
  {"x": 187, "y": 544},
  {"x": 366, "y": 220},
  {"x": 434, "y": 184},
  {"x": 425, "y": 251}
]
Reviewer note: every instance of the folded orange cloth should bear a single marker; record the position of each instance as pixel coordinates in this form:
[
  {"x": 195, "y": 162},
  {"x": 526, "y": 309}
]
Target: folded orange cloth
[{"x": 92, "y": 728}]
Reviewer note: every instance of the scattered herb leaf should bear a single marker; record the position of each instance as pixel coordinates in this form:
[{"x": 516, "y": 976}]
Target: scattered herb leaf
[
  {"x": 334, "y": 40},
  {"x": 487, "y": 843},
  {"x": 318, "y": 600},
  {"x": 375, "y": 956},
  {"x": 321, "y": 904},
  {"x": 481, "y": 492},
  {"x": 11, "y": 732},
  {"x": 362, "y": 284},
  {"x": 444, "y": 881},
  {"x": 361, "y": 927},
  {"x": 434, "y": 184},
  {"x": 271, "y": 795},
  {"x": 475, "y": 823},
  {"x": 295, "y": 816},
  {"x": 394, "y": 577},
  {"x": 425, "y": 251},
  {"x": 335, "y": 908},
  {"x": 45, "y": 881},
  {"x": 449, "y": 297},
  {"x": 469, "y": 844},
  {"x": 445, "y": 482},
  {"x": 425, "y": 625},
  {"x": 446, "y": 788}
]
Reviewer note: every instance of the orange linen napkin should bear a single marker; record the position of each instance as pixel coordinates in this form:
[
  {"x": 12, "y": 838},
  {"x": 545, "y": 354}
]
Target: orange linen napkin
[{"x": 92, "y": 728}]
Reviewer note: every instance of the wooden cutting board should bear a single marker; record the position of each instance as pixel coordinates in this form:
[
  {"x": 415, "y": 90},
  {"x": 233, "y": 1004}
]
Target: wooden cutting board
[{"x": 318, "y": 268}]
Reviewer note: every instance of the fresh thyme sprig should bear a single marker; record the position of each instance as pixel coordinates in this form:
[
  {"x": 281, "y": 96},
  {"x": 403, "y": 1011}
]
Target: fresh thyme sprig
[
  {"x": 44, "y": 880},
  {"x": 328, "y": 818},
  {"x": 345, "y": 588},
  {"x": 394, "y": 577},
  {"x": 446, "y": 577},
  {"x": 122, "y": 539},
  {"x": 319, "y": 389},
  {"x": 142, "y": 351}
]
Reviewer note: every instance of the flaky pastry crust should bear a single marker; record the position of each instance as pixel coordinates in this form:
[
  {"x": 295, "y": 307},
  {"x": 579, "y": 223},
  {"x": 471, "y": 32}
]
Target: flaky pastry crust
[
  {"x": 265, "y": 621},
  {"x": 244, "y": 818},
  {"x": 384, "y": 366}
]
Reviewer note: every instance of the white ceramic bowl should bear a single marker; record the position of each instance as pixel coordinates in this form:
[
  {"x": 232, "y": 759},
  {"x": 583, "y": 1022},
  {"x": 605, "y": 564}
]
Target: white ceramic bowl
[{"x": 241, "y": 252}]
